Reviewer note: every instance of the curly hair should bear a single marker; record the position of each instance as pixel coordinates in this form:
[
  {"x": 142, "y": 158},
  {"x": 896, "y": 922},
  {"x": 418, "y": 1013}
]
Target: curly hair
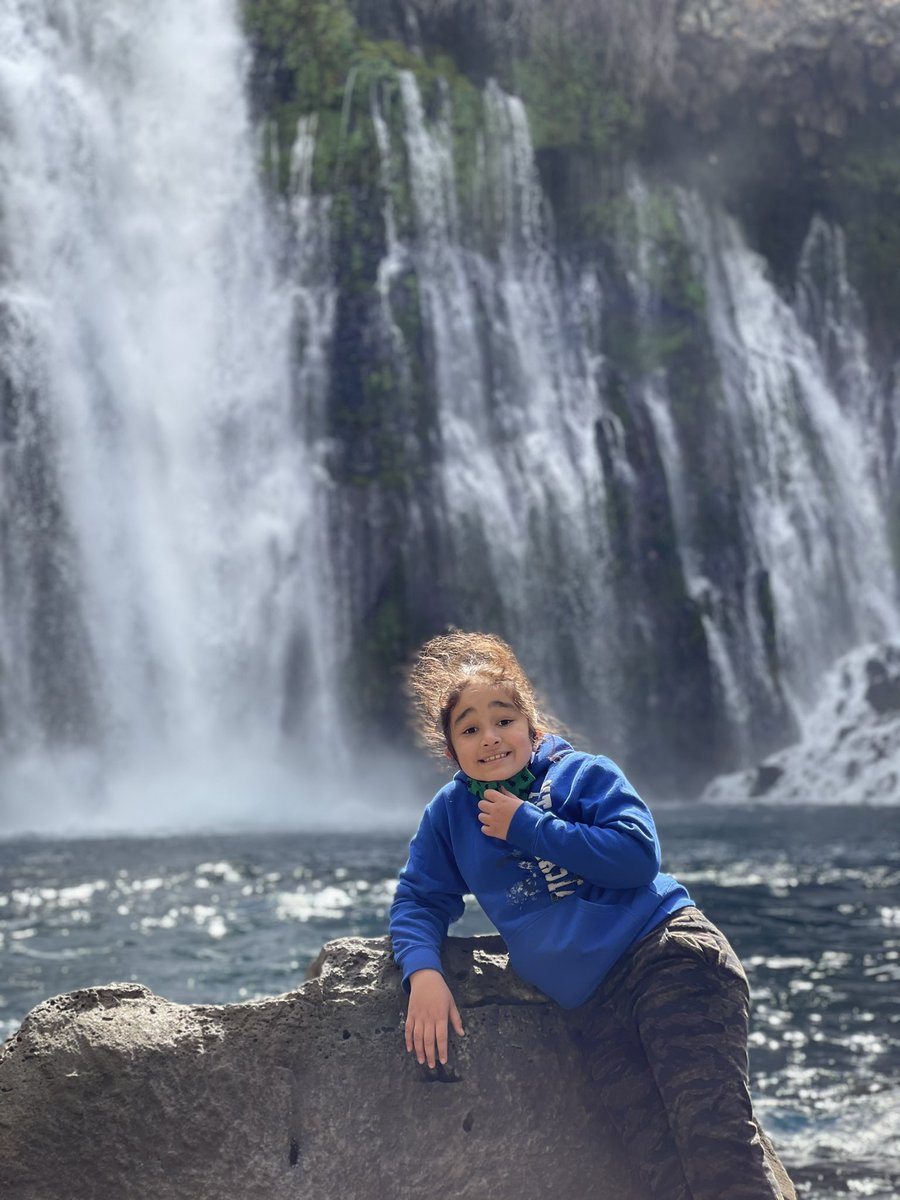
[{"x": 448, "y": 663}]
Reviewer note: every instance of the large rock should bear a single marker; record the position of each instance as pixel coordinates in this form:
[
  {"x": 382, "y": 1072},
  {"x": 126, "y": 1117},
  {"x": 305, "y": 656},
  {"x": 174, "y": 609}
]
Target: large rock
[{"x": 113, "y": 1093}]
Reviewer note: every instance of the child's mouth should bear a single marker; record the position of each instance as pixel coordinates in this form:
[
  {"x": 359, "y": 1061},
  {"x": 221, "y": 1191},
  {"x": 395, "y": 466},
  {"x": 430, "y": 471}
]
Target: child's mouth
[{"x": 492, "y": 758}]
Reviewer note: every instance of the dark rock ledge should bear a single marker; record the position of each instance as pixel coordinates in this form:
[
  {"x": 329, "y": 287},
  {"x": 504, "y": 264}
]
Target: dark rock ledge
[
  {"x": 112, "y": 1093},
  {"x": 818, "y": 63},
  {"x": 815, "y": 64}
]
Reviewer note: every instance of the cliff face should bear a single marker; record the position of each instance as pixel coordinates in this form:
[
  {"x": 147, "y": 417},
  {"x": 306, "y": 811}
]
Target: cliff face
[
  {"x": 809, "y": 89},
  {"x": 645, "y": 254},
  {"x": 577, "y": 322},
  {"x": 816, "y": 64}
]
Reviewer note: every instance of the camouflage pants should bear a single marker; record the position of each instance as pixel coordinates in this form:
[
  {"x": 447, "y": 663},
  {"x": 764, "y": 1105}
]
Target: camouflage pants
[{"x": 665, "y": 1038}]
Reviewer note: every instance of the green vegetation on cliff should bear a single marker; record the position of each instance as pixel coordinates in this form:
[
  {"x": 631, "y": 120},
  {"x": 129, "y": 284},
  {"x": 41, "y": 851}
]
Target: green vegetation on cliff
[
  {"x": 572, "y": 103},
  {"x": 312, "y": 56},
  {"x": 865, "y": 198}
]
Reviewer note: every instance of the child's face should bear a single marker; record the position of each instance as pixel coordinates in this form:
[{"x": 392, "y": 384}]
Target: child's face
[{"x": 489, "y": 734}]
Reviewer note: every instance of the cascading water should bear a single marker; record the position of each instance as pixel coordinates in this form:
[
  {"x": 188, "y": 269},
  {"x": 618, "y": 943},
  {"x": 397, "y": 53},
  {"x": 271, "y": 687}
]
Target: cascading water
[
  {"x": 810, "y": 499},
  {"x": 159, "y": 621},
  {"x": 202, "y": 506},
  {"x": 792, "y": 569},
  {"x": 521, "y": 491}
]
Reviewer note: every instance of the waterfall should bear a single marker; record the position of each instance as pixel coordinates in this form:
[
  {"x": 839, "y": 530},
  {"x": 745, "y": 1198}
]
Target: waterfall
[
  {"x": 798, "y": 470},
  {"x": 811, "y": 499},
  {"x": 781, "y": 548},
  {"x": 252, "y": 442},
  {"x": 157, "y": 511},
  {"x": 521, "y": 492}
]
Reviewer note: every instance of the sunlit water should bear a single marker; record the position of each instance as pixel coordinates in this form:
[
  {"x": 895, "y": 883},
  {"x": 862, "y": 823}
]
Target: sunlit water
[{"x": 809, "y": 897}]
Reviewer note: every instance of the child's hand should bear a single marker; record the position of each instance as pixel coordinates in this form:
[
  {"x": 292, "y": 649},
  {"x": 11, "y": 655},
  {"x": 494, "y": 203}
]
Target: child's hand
[
  {"x": 496, "y": 811},
  {"x": 430, "y": 1005}
]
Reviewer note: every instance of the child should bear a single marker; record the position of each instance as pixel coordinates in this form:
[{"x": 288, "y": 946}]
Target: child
[{"x": 563, "y": 856}]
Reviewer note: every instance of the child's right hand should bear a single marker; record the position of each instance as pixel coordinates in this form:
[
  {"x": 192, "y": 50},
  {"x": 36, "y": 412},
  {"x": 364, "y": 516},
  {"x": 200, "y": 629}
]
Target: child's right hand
[{"x": 431, "y": 1005}]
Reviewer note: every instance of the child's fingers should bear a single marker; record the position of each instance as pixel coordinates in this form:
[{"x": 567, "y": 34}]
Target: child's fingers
[
  {"x": 424, "y": 1040},
  {"x": 419, "y": 1040},
  {"x": 410, "y": 1032},
  {"x": 430, "y": 1040},
  {"x": 456, "y": 1019},
  {"x": 414, "y": 1035}
]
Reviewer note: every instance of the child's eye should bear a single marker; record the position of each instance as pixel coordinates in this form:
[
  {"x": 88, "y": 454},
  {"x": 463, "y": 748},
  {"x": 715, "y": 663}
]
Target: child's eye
[
  {"x": 471, "y": 729},
  {"x": 505, "y": 721}
]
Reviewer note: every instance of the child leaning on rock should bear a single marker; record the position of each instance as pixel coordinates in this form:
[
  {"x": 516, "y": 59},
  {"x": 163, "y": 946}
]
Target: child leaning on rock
[{"x": 563, "y": 857}]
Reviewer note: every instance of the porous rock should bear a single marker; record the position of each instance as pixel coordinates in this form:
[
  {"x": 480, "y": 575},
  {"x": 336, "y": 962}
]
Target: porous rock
[{"x": 113, "y": 1093}]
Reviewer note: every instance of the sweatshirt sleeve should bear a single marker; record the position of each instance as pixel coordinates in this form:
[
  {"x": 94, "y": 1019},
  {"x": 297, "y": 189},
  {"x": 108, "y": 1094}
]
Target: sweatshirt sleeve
[
  {"x": 604, "y": 832},
  {"x": 428, "y": 899}
]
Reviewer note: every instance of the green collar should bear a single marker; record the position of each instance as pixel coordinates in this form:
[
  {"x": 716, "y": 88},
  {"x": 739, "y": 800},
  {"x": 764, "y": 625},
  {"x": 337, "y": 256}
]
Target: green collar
[{"x": 518, "y": 785}]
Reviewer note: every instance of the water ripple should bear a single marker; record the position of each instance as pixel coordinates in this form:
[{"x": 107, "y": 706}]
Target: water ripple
[{"x": 808, "y": 899}]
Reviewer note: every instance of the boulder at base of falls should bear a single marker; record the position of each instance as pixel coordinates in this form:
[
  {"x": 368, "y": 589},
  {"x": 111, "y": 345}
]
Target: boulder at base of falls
[
  {"x": 113, "y": 1093},
  {"x": 850, "y": 749}
]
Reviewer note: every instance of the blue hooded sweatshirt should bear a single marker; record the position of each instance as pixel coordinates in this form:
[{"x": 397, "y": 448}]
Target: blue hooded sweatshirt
[{"x": 575, "y": 883}]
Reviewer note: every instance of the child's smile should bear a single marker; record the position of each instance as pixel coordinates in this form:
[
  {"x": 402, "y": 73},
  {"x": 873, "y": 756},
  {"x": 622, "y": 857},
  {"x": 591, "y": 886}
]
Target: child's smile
[{"x": 490, "y": 736}]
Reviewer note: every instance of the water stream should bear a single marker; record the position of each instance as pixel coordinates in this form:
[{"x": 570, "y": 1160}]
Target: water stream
[{"x": 157, "y": 494}]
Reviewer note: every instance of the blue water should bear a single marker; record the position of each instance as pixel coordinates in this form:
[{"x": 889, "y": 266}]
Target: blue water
[{"x": 809, "y": 897}]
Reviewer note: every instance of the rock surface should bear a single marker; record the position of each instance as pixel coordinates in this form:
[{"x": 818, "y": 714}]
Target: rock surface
[
  {"x": 816, "y": 63},
  {"x": 112, "y": 1093},
  {"x": 811, "y": 63}
]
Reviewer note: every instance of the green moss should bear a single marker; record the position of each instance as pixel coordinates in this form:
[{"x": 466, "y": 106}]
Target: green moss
[
  {"x": 675, "y": 320},
  {"x": 312, "y": 57},
  {"x": 467, "y": 124},
  {"x": 606, "y": 216},
  {"x": 572, "y": 104},
  {"x": 682, "y": 293},
  {"x": 866, "y": 195},
  {"x": 662, "y": 330},
  {"x": 373, "y": 679},
  {"x": 873, "y": 168}
]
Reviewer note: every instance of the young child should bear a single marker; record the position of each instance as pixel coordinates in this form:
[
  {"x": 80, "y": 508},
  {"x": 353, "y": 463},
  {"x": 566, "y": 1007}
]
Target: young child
[{"x": 563, "y": 856}]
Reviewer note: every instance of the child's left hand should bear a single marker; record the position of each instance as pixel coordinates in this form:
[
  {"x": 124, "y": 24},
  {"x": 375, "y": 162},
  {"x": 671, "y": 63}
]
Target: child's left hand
[{"x": 496, "y": 810}]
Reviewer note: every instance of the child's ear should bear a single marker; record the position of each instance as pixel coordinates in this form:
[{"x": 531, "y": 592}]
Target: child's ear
[{"x": 448, "y": 753}]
